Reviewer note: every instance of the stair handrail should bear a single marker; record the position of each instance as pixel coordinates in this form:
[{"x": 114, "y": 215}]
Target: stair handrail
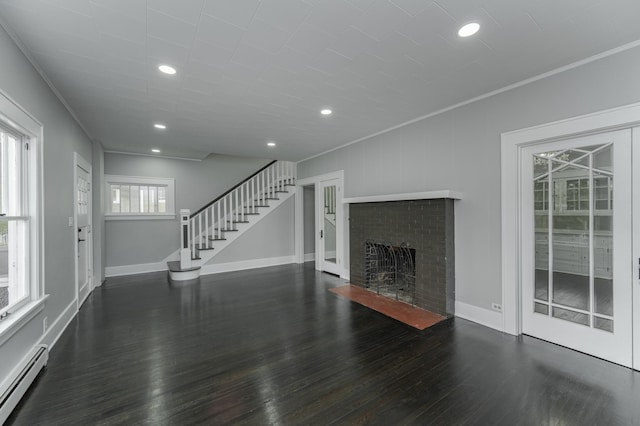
[
  {"x": 232, "y": 189},
  {"x": 212, "y": 221}
]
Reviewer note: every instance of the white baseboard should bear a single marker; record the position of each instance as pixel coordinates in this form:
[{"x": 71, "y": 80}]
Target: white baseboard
[
  {"x": 486, "y": 317},
  {"x": 116, "y": 271},
  {"x": 309, "y": 257},
  {"x": 56, "y": 328},
  {"x": 246, "y": 264}
]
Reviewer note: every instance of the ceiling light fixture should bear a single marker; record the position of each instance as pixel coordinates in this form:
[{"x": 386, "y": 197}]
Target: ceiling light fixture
[
  {"x": 167, "y": 69},
  {"x": 271, "y": 144},
  {"x": 326, "y": 111},
  {"x": 156, "y": 150},
  {"x": 160, "y": 126},
  {"x": 469, "y": 29}
]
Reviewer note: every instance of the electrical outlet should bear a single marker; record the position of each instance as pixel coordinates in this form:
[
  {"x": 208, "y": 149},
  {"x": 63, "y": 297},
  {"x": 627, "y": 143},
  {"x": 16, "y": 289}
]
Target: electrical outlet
[
  {"x": 45, "y": 324},
  {"x": 496, "y": 307}
]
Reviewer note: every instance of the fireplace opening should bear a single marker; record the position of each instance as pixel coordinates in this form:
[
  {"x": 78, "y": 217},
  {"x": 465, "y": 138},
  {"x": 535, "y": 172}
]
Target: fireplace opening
[{"x": 390, "y": 270}]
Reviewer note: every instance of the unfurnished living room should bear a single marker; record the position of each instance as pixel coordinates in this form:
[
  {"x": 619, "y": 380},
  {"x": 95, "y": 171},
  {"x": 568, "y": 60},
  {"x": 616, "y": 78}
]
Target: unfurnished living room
[{"x": 287, "y": 212}]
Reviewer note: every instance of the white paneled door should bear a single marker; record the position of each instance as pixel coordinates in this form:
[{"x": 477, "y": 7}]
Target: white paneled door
[
  {"x": 83, "y": 229},
  {"x": 579, "y": 280}
]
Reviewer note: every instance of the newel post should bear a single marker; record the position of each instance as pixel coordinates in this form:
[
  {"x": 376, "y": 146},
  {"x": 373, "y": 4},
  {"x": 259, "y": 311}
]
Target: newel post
[{"x": 185, "y": 252}]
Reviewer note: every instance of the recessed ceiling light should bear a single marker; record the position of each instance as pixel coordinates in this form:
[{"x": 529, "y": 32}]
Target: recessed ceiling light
[
  {"x": 167, "y": 69},
  {"x": 160, "y": 126},
  {"x": 469, "y": 29},
  {"x": 271, "y": 144},
  {"x": 326, "y": 111},
  {"x": 156, "y": 150}
]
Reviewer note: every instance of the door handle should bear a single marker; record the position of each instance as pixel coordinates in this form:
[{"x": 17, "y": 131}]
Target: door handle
[
  {"x": 79, "y": 240},
  {"x": 321, "y": 236}
]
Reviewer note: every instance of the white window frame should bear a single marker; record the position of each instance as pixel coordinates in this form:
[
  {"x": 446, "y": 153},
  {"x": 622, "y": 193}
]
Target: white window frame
[
  {"x": 20, "y": 121},
  {"x": 169, "y": 183}
]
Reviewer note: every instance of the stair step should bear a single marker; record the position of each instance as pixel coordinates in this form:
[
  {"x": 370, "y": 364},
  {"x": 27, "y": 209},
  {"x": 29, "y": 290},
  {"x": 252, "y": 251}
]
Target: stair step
[
  {"x": 241, "y": 221},
  {"x": 289, "y": 184},
  {"x": 174, "y": 266},
  {"x": 251, "y": 213},
  {"x": 270, "y": 198},
  {"x": 281, "y": 192},
  {"x": 261, "y": 205},
  {"x": 196, "y": 258},
  {"x": 226, "y": 230},
  {"x": 199, "y": 247},
  {"x": 217, "y": 239}
]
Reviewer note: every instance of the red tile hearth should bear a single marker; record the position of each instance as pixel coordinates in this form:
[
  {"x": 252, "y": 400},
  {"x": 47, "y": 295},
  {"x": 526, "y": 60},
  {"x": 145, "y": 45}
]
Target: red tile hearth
[{"x": 415, "y": 317}]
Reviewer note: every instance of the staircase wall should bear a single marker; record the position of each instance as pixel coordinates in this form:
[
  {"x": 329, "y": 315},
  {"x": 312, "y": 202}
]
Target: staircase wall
[
  {"x": 272, "y": 237},
  {"x": 149, "y": 242}
]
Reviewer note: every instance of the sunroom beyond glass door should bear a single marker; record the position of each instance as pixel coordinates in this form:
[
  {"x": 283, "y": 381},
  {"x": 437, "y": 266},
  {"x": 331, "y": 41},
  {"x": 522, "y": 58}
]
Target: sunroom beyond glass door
[{"x": 577, "y": 244}]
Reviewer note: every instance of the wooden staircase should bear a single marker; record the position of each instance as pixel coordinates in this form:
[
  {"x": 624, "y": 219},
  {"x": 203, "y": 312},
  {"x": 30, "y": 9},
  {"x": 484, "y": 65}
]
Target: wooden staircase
[{"x": 208, "y": 231}]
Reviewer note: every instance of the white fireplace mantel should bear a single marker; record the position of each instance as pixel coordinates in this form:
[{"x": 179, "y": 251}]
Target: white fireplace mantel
[{"x": 445, "y": 193}]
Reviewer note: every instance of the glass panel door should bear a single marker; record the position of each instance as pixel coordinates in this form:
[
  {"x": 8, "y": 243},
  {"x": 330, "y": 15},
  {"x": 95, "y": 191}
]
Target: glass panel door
[
  {"x": 329, "y": 239},
  {"x": 330, "y": 211},
  {"x": 576, "y": 292}
]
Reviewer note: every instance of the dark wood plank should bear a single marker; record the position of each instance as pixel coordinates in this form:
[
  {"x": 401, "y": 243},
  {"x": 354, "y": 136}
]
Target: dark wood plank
[{"x": 273, "y": 346}]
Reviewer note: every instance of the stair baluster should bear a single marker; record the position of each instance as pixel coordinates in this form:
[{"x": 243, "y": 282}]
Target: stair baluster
[{"x": 210, "y": 223}]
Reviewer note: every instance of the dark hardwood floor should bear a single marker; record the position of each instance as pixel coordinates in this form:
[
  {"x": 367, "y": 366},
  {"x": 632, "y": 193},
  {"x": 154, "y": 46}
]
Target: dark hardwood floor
[{"x": 272, "y": 346}]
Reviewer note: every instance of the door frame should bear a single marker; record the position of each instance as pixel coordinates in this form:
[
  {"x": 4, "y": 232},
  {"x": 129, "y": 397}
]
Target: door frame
[
  {"x": 79, "y": 161},
  {"x": 342, "y": 218},
  {"x": 512, "y": 144}
]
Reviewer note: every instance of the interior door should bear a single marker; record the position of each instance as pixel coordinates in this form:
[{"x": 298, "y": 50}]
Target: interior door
[
  {"x": 330, "y": 218},
  {"x": 577, "y": 283},
  {"x": 83, "y": 227}
]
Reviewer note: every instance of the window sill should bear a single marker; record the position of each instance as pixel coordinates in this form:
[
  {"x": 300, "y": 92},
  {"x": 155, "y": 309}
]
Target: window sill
[
  {"x": 15, "y": 321},
  {"x": 140, "y": 217}
]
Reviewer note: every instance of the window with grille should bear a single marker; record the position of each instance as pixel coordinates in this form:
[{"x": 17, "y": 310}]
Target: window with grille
[
  {"x": 131, "y": 197},
  {"x": 14, "y": 221}
]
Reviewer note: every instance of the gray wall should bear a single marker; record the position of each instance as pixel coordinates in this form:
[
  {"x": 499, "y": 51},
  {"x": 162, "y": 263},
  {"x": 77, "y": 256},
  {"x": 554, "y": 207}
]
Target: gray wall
[
  {"x": 309, "y": 219},
  {"x": 271, "y": 237},
  {"x": 460, "y": 150},
  {"x": 62, "y": 136},
  {"x": 131, "y": 242}
]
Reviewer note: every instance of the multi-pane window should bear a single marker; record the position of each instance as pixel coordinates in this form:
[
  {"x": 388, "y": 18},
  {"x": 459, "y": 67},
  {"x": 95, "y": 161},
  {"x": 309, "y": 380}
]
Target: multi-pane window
[
  {"x": 14, "y": 221},
  {"x": 137, "y": 197}
]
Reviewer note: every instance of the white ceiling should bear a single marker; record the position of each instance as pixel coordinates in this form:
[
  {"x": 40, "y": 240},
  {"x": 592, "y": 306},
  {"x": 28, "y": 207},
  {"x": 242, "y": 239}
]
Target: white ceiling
[{"x": 250, "y": 71}]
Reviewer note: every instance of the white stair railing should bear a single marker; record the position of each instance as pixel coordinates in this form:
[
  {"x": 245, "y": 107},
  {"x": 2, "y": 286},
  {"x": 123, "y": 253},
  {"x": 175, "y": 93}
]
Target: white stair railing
[{"x": 212, "y": 221}]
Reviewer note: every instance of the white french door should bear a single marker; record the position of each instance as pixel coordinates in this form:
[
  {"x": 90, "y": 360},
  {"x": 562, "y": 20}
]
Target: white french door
[
  {"x": 577, "y": 226},
  {"x": 84, "y": 244},
  {"x": 329, "y": 214}
]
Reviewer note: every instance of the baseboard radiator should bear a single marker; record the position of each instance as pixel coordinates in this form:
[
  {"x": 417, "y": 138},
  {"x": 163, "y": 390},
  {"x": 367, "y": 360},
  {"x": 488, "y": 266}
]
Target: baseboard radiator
[{"x": 18, "y": 387}]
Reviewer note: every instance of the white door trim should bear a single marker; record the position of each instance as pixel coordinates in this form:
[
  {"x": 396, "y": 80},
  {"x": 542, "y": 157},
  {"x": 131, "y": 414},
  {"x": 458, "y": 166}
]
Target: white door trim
[
  {"x": 79, "y": 161},
  {"x": 512, "y": 144},
  {"x": 341, "y": 234}
]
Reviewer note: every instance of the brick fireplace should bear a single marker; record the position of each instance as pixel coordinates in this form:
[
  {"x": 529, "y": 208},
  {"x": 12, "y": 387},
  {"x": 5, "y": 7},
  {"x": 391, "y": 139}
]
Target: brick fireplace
[{"x": 423, "y": 225}]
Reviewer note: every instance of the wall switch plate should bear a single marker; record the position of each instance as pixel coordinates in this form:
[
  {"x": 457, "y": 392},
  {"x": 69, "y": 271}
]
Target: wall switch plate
[
  {"x": 496, "y": 307},
  {"x": 70, "y": 221}
]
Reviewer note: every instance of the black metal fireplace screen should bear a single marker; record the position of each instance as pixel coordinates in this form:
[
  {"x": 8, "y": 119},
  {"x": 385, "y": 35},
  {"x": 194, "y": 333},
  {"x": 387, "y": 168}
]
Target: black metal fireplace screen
[{"x": 390, "y": 270}]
